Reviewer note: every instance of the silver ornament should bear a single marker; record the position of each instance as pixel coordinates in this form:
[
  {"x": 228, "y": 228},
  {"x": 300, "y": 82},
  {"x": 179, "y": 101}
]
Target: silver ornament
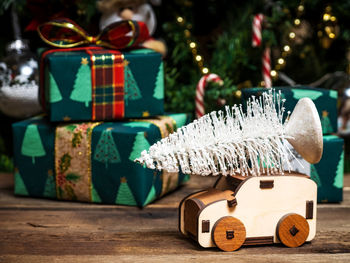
[{"x": 19, "y": 81}]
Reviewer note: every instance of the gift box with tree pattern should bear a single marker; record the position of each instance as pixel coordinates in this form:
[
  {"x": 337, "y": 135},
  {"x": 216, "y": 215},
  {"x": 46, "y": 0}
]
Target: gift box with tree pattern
[
  {"x": 325, "y": 101},
  {"x": 85, "y": 84},
  {"x": 329, "y": 172},
  {"x": 92, "y": 161}
]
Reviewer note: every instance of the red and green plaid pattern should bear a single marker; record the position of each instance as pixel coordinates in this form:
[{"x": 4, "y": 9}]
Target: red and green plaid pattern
[{"x": 107, "y": 79}]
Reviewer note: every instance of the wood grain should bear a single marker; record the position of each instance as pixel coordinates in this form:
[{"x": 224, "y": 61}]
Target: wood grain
[
  {"x": 293, "y": 230},
  {"x": 39, "y": 230},
  {"x": 221, "y": 236}
]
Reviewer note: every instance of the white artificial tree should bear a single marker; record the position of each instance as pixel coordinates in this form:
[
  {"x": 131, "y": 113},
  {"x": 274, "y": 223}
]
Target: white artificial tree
[{"x": 251, "y": 143}]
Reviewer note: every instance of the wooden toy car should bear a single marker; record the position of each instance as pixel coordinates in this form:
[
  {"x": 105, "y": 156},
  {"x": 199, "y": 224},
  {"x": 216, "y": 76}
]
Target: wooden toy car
[
  {"x": 251, "y": 210},
  {"x": 263, "y": 204}
]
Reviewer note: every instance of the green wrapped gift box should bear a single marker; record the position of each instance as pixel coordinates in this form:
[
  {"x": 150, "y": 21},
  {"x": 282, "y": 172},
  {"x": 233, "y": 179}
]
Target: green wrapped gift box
[
  {"x": 329, "y": 172},
  {"x": 92, "y": 161},
  {"x": 325, "y": 101},
  {"x": 100, "y": 84}
]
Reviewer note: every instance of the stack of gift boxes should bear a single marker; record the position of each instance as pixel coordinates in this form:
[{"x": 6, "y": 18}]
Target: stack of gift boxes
[
  {"x": 328, "y": 173},
  {"x": 103, "y": 109}
]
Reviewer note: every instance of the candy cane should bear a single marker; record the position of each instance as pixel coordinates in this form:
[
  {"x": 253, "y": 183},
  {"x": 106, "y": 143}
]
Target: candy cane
[
  {"x": 256, "y": 41},
  {"x": 266, "y": 67},
  {"x": 200, "y": 91},
  {"x": 256, "y": 37}
]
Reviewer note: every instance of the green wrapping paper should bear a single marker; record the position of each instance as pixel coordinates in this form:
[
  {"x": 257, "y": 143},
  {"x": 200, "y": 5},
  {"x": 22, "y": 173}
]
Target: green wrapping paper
[
  {"x": 67, "y": 87},
  {"x": 329, "y": 172},
  {"x": 325, "y": 101},
  {"x": 92, "y": 162}
]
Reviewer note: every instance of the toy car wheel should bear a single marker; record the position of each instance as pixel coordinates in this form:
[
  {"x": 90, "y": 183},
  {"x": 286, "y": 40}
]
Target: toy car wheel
[
  {"x": 293, "y": 230},
  {"x": 228, "y": 233}
]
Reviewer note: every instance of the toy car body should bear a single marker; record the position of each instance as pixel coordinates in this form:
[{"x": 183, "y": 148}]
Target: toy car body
[{"x": 250, "y": 211}]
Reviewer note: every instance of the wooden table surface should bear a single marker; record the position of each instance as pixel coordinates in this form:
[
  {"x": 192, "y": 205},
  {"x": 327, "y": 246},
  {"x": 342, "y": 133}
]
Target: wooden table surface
[{"x": 39, "y": 230}]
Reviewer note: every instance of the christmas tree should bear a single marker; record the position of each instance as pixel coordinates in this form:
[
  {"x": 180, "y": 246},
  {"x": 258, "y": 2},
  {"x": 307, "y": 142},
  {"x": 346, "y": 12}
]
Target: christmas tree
[
  {"x": 140, "y": 144},
  {"x": 132, "y": 91},
  {"x": 50, "y": 186},
  {"x": 106, "y": 150},
  {"x": 179, "y": 120},
  {"x": 136, "y": 124},
  {"x": 326, "y": 123},
  {"x": 314, "y": 175},
  {"x": 159, "y": 86},
  {"x": 32, "y": 145},
  {"x": 339, "y": 177},
  {"x": 312, "y": 94},
  {"x": 152, "y": 195},
  {"x": 239, "y": 143},
  {"x": 55, "y": 94},
  {"x": 125, "y": 196},
  {"x": 82, "y": 84},
  {"x": 20, "y": 187},
  {"x": 95, "y": 197}
]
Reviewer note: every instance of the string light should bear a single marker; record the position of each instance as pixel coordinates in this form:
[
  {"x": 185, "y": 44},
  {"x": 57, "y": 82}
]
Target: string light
[
  {"x": 193, "y": 45},
  {"x": 280, "y": 61},
  {"x": 326, "y": 17},
  {"x": 329, "y": 30},
  {"x": 329, "y": 24},
  {"x": 286, "y": 48}
]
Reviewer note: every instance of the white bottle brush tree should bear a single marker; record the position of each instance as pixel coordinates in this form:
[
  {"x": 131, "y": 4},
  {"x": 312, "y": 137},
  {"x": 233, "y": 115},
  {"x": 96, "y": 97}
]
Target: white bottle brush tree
[{"x": 250, "y": 143}]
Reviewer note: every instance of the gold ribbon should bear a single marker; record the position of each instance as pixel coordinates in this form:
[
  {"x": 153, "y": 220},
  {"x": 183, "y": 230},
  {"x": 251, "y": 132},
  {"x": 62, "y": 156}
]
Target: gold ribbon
[
  {"x": 73, "y": 161},
  {"x": 85, "y": 38}
]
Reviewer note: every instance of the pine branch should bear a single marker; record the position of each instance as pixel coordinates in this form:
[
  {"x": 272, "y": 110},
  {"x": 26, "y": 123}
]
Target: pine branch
[{"x": 238, "y": 143}]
